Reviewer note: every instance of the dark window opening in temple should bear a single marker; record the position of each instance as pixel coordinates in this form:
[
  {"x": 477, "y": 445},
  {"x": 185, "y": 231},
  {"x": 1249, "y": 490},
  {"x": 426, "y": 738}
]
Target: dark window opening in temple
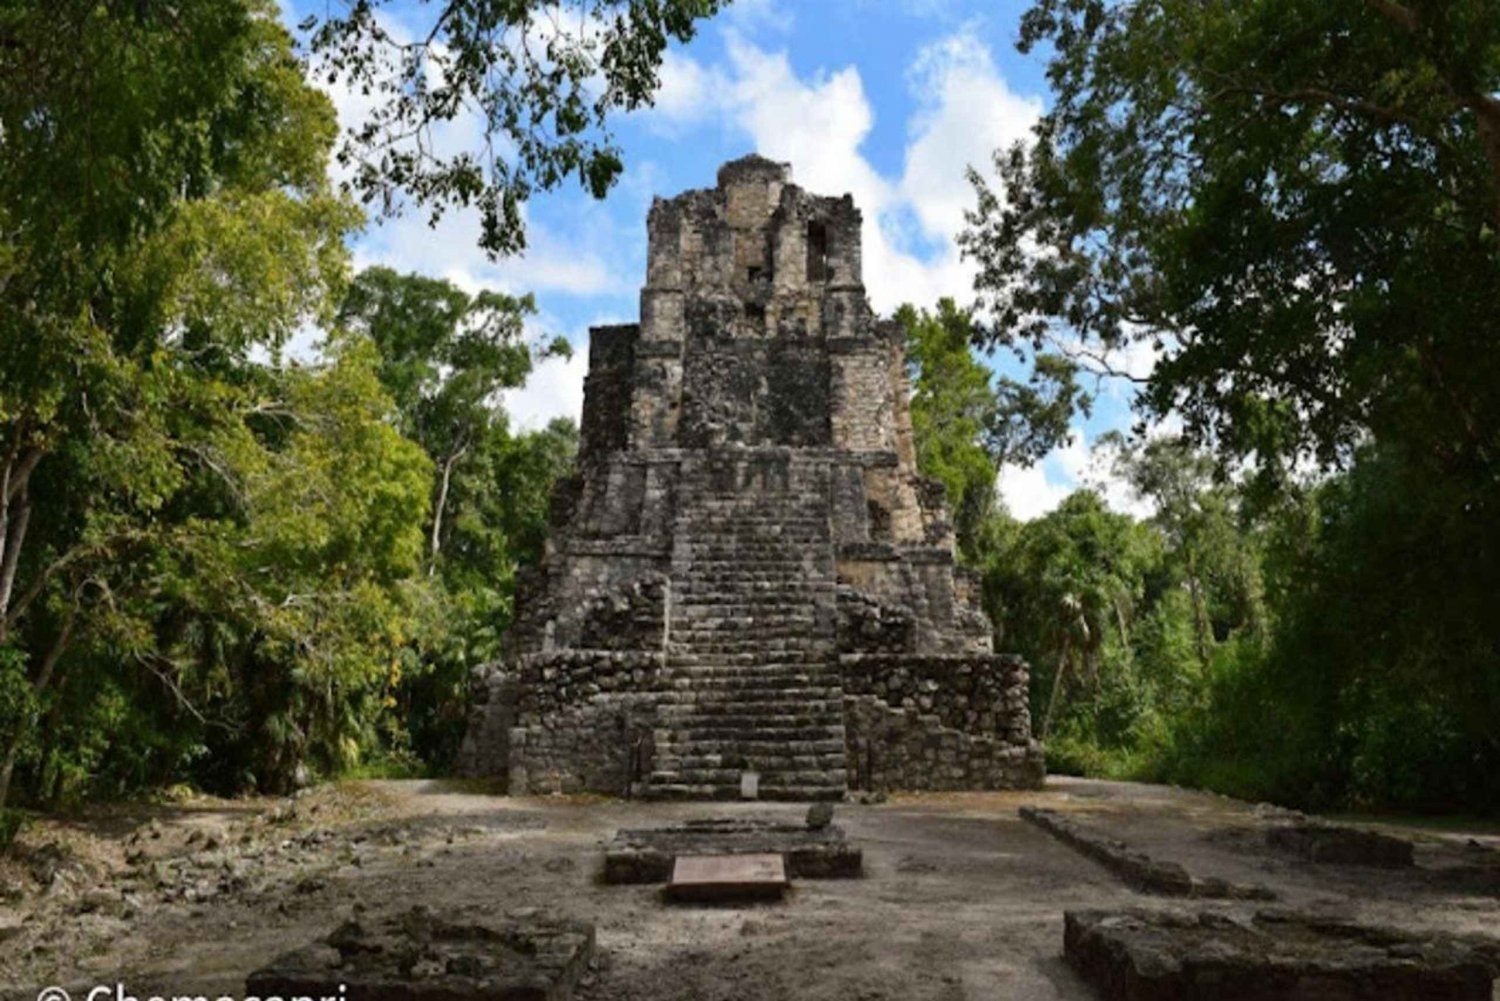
[
  {"x": 755, "y": 274},
  {"x": 817, "y": 252}
]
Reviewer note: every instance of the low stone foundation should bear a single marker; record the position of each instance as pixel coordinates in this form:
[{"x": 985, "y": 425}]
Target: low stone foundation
[
  {"x": 1139, "y": 870},
  {"x": 574, "y": 720},
  {"x": 1338, "y": 845},
  {"x": 1161, "y": 956},
  {"x": 646, "y": 856},
  {"x": 417, "y": 954}
]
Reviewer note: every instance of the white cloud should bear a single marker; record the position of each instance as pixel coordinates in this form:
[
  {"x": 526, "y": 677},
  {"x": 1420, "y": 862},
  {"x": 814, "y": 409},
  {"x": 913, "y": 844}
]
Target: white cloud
[
  {"x": 553, "y": 261},
  {"x": 555, "y": 389},
  {"x": 1032, "y": 492},
  {"x": 759, "y": 15},
  {"x": 967, "y": 112},
  {"x": 685, "y": 96}
]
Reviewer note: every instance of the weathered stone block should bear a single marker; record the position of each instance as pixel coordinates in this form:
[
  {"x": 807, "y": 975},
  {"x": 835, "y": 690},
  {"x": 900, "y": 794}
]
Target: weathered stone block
[
  {"x": 420, "y": 955},
  {"x": 647, "y": 856},
  {"x": 1161, "y": 956}
]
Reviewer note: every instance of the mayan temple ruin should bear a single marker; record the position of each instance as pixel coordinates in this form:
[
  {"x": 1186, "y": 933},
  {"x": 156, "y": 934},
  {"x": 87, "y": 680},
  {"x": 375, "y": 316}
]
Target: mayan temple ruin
[{"x": 749, "y": 589}]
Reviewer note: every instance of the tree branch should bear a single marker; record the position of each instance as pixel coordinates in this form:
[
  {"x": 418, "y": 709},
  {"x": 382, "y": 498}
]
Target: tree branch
[{"x": 1403, "y": 17}]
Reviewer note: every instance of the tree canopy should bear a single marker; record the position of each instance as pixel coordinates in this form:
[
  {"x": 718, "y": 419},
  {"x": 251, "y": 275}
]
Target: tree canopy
[{"x": 1296, "y": 203}]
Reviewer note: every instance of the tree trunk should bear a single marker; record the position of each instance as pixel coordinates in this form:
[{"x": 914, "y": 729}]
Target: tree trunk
[
  {"x": 1057, "y": 683},
  {"x": 1200, "y": 615},
  {"x": 11, "y": 541},
  {"x": 39, "y": 688},
  {"x": 15, "y": 514},
  {"x": 437, "y": 508}
]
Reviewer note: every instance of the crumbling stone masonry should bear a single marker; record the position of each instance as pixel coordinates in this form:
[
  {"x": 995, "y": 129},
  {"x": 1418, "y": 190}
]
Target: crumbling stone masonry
[
  {"x": 746, "y": 573},
  {"x": 1141, "y": 955}
]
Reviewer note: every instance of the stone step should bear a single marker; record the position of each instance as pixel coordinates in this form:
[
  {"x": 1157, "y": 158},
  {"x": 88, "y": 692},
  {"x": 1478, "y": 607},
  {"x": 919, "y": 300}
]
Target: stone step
[
  {"x": 751, "y": 731},
  {"x": 696, "y": 631},
  {"x": 799, "y": 660},
  {"x": 705, "y": 568},
  {"x": 747, "y": 570},
  {"x": 734, "y": 711},
  {"x": 669, "y": 749},
  {"x": 799, "y": 677},
  {"x": 721, "y": 769},
  {"x": 677, "y": 790},
  {"x": 774, "y": 648},
  {"x": 749, "y": 689},
  {"x": 704, "y": 636},
  {"x": 749, "y": 665},
  {"x": 769, "y": 695},
  {"x": 728, "y": 543},
  {"x": 709, "y": 592},
  {"x": 768, "y": 610},
  {"x": 754, "y": 602},
  {"x": 815, "y": 778},
  {"x": 710, "y": 616},
  {"x": 806, "y": 757}
]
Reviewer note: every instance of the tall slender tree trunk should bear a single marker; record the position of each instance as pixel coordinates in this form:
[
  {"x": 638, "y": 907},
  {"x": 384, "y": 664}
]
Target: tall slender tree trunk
[
  {"x": 15, "y": 518},
  {"x": 440, "y": 506},
  {"x": 1057, "y": 683},
  {"x": 14, "y": 538},
  {"x": 39, "y": 687},
  {"x": 1200, "y": 614}
]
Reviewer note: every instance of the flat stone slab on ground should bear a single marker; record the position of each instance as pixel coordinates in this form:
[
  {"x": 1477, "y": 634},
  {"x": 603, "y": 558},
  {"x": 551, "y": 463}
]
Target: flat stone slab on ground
[
  {"x": 727, "y": 878},
  {"x": 1334, "y": 843},
  {"x": 1165, "y": 956},
  {"x": 1141, "y": 871},
  {"x": 646, "y": 855},
  {"x": 525, "y": 956}
]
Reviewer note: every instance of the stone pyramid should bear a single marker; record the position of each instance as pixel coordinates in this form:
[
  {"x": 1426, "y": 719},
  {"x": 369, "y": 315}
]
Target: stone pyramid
[{"x": 749, "y": 589}]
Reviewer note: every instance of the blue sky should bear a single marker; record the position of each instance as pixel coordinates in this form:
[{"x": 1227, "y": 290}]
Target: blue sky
[{"x": 888, "y": 100}]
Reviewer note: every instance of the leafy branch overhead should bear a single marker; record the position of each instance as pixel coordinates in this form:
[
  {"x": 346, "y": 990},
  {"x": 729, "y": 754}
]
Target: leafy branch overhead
[
  {"x": 1296, "y": 204},
  {"x": 540, "y": 80}
]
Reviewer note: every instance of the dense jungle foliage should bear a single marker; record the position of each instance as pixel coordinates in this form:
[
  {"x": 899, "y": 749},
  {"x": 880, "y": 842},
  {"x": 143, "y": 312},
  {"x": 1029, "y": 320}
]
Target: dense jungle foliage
[
  {"x": 1294, "y": 206},
  {"x": 219, "y": 565}
]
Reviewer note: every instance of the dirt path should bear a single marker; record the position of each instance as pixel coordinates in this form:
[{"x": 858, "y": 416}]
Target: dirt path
[{"x": 961, "y": 899}]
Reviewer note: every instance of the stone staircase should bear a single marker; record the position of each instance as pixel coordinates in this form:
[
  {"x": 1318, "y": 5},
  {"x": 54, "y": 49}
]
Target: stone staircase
[{"x": 754, "y": 681}]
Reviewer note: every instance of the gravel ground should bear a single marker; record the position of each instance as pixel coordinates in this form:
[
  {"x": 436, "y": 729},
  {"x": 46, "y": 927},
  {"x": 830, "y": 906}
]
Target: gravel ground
[{"x": 960, "y": 900}]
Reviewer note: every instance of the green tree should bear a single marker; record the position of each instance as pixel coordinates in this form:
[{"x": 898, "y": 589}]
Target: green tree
[
  {"x": 541, "y": 78},
  {"x": 1298, "y": 203},
  {"x": 1066, "y": 587},
  {"x": 1210, "y": 542},
  {"x": 445, "y": 357},
  {"x": 967, "y": 423},
  {"x": 1297, "y": 206},
  {"x": 164, "y": 195}
]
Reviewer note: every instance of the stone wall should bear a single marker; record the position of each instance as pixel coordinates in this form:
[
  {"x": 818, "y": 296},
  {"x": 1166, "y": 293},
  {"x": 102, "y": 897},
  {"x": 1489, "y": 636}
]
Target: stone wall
[
  {"x": 608, "y": 388},
  {"x": 583, "y": 720},
  {"x": 938, "y": 722}
]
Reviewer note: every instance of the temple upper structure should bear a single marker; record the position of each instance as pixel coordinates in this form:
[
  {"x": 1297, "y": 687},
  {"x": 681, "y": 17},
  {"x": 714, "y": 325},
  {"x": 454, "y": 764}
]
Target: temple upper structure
[{"x": 749, "y": 589}]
